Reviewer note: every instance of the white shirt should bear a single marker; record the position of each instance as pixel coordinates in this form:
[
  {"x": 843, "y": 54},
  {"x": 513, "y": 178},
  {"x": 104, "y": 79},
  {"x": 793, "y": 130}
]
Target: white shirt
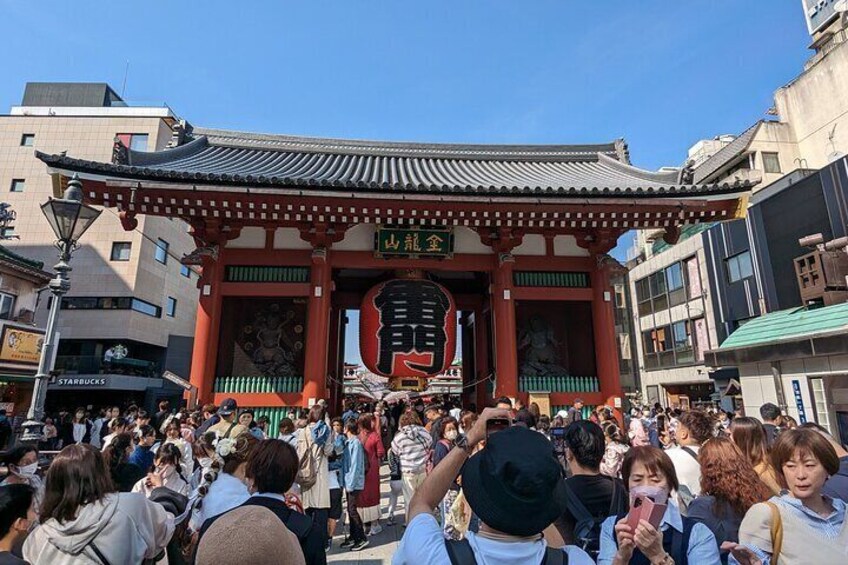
[
  {"x": 687, "y": 467},
  {"x": 79, "y": 432},
  {"x": 423, "y": 543},
  {"x": 107, "y": 440}
]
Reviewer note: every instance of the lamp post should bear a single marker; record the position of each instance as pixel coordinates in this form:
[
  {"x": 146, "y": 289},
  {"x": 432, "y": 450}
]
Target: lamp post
[{"x": 69, "y": 218}]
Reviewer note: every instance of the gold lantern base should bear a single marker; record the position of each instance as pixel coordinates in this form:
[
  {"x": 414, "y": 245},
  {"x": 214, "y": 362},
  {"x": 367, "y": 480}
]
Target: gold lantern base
[{"x": 413, "y": 384}]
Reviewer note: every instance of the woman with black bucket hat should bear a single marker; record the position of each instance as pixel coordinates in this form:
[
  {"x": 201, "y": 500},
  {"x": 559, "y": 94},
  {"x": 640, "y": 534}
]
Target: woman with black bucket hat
[{"x": 515, "y": 487}]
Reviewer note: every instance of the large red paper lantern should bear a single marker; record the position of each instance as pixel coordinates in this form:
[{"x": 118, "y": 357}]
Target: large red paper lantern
[{"x": 407, "y": 330}]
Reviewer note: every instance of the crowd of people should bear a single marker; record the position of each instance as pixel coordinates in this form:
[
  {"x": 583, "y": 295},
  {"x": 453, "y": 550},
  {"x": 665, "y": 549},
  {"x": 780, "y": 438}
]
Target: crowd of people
[{"x": 505, "y": 485}]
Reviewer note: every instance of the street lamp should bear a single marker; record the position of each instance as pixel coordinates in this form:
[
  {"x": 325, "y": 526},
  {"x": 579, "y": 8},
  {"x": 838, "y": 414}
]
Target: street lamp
[{"x": 69, "y": 218}]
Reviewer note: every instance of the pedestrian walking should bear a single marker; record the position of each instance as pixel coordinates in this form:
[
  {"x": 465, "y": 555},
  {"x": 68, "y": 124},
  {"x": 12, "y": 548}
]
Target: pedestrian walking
[
  {"x": 353, "y": 474},
  {"x": 412, "y": 446},
  {"x": 369, "y": 498}
]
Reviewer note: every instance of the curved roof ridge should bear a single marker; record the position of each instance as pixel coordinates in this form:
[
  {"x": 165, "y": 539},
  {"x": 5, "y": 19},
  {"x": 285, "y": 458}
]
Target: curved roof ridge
[
  {"x": 581, "y": 152},
  {"x": 664, "y": 177}
]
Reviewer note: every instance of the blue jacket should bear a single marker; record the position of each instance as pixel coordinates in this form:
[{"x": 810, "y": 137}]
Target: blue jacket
[
  {"x": 339, "y": 452},
  {"x": 353, "y": 466},
  {"x": 320, "y": 433},
  {"x": 143, "y": 457}
]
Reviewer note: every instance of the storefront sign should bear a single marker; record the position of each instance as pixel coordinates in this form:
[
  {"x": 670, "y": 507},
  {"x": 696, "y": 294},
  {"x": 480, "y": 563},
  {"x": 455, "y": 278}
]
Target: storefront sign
[
  {"x": 799, "y": 402},
  {"x": 397, "y": 242},
  {"x": 20, "y": 345},
  {"x": 81, "y": 381}
]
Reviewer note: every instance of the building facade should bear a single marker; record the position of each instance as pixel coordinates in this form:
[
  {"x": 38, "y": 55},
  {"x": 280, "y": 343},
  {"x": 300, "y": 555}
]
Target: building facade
[
  {"x": 131, "y": 301},
  {"x": 21, "y": 339}
]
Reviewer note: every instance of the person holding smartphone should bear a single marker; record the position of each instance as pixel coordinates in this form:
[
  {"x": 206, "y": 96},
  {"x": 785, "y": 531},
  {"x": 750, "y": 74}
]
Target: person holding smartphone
[
  {"x": 663, "y": 539},
  {"x": 514, "y": 485}
]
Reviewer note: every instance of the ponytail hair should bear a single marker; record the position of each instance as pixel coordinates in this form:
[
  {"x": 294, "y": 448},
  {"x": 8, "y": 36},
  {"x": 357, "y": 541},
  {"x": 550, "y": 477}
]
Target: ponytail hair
[
  {"x": 170, "y": 454},
  {"x": 229, "y": 454}
]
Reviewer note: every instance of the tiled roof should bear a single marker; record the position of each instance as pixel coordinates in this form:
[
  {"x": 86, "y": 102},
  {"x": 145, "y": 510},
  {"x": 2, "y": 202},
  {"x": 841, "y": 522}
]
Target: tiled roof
[
  {"x": 29, "y": 265},
  {"x": 726, "y": 154},
  {"x": 788, "y": 325},
  {"x": 256, "y": 160}
]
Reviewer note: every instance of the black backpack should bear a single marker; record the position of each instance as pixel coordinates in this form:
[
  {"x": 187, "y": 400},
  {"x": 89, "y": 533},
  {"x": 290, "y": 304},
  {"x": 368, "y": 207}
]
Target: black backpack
[
  {"x": 587, "y": 528},
  {"x": 460, "y": 553}
]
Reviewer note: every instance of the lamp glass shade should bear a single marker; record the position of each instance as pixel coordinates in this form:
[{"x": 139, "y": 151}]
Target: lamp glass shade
[{"x": 69, "y": 218}]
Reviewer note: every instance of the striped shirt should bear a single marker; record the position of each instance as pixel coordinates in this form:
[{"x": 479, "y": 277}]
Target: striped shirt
[{"x": 412, "y": 446}]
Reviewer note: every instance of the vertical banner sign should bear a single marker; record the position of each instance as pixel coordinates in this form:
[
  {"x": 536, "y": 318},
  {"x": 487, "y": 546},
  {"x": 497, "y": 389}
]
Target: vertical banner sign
[
  {"x": 799, "y": 402},
  {"x": 407, "y": 330}
]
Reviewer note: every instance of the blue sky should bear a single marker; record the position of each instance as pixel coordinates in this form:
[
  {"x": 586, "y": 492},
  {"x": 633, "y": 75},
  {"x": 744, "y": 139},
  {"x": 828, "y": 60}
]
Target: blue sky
[{"x": 661, "y": 74}]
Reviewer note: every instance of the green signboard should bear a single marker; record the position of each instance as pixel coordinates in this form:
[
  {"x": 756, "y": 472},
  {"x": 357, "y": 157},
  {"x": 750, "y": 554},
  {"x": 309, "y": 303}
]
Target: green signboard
[{"x": 412, "y": 242}]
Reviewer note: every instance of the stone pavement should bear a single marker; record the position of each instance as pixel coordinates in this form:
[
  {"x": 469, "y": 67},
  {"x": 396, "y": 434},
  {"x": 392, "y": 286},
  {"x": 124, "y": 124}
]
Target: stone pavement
[{"x": 383, "y": 545}]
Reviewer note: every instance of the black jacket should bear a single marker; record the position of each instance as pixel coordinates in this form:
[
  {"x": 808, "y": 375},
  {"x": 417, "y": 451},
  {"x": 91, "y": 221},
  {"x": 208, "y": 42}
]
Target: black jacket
[
  {"x": 126, "y": 475},
  {"x": 311, "y": 539}
]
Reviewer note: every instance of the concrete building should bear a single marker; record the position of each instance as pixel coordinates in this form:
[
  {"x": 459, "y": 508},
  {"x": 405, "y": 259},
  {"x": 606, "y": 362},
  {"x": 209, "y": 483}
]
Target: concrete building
[
  {"x": 747, "y": 266},
  {"x": 131, "y": 301}
]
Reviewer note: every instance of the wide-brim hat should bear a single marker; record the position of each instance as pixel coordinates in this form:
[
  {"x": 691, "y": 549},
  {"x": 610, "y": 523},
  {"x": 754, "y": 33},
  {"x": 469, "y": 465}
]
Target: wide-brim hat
[{"x": 515, "y": 484}]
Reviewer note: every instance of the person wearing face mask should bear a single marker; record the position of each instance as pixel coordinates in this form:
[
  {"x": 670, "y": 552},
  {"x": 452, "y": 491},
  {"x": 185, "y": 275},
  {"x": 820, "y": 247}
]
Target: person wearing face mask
[
  {"x": 447, "y": 434},
  {"x": 648, "y": 471},
  {"x": 167, "y": 473},
  {"x": 17, "y": 518},
  {"x": 22, "y": 463}
]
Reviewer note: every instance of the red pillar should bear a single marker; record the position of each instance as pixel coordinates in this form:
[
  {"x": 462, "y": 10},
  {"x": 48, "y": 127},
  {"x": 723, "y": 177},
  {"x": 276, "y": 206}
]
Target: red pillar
[
  {"x": 317, "y": 326},
  {"x": 207, "y": 331},
  {"x": 603, "y": 323},
  {"x": 481, "y": 357},
  {"x": 503, "y": 308}
]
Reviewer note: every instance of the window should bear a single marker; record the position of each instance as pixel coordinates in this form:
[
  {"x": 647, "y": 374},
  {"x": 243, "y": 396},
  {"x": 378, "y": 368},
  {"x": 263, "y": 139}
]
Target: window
[
  {"x": 7, "y": 306},
  {"x": 146, "y": 308},
  {"x": 739, "y": 267},
  {"x": 18, "y": 185},
  {"x": 135, "y": 141},
  {"x": 121, "y": 251},
  {"x": 771, "y": 162},
  {"x": 185, "y": 271},
  {"x": 171, "y": 307},
  {"x": 820, "y": 403},
  {"x": 681, "y": 334},
  {"x": 161, "y": 254},
  {"x": 28, "y": 140},
  {"x": 7, "y": 233},
  {"x": 674, "y": 276}
]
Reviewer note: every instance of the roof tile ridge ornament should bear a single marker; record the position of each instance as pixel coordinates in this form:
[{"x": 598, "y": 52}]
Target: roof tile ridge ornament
[
  {"x": 120, "y": 152},
  {"x": 179, "y": 133},
  {"x": 687, "y": 173},
  {"x": 622, "y": 150}
]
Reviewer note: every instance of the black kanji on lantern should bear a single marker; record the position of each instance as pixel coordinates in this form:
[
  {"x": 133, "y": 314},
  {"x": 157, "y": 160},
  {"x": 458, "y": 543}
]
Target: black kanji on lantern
[{"x": 412, "y": 320}]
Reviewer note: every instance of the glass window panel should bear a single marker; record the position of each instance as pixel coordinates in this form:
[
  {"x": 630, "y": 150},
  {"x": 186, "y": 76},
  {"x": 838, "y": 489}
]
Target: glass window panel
[
  {"x": 145, "y": 308},
  {"x": 185, "y": 271},
  {"x": 171, "y": 307},
  {"x": 7, "y": 306},
  {"x": 771, "y": 162},
  {"x": 674, "y": 276},
  {"x": 138, "y": 142},
  {"x": 28, "y": 140},
  {"x": 161, "y": 253},
  {"x": 18, "y": 185},
  {"x": 121, "y": 251}
]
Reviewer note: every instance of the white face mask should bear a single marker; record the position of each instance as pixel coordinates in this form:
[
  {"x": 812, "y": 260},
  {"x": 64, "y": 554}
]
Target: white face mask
[
  {"x": 28, "y": 470},
  {"x": 451, "y": 435}
]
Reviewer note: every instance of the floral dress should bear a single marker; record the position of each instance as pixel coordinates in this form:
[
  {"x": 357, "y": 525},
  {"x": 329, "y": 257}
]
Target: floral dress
[{"x": 613, "y": 457}]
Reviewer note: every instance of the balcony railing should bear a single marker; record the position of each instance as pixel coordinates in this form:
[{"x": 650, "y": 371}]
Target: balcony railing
[{"x": 95, "y": 365}]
